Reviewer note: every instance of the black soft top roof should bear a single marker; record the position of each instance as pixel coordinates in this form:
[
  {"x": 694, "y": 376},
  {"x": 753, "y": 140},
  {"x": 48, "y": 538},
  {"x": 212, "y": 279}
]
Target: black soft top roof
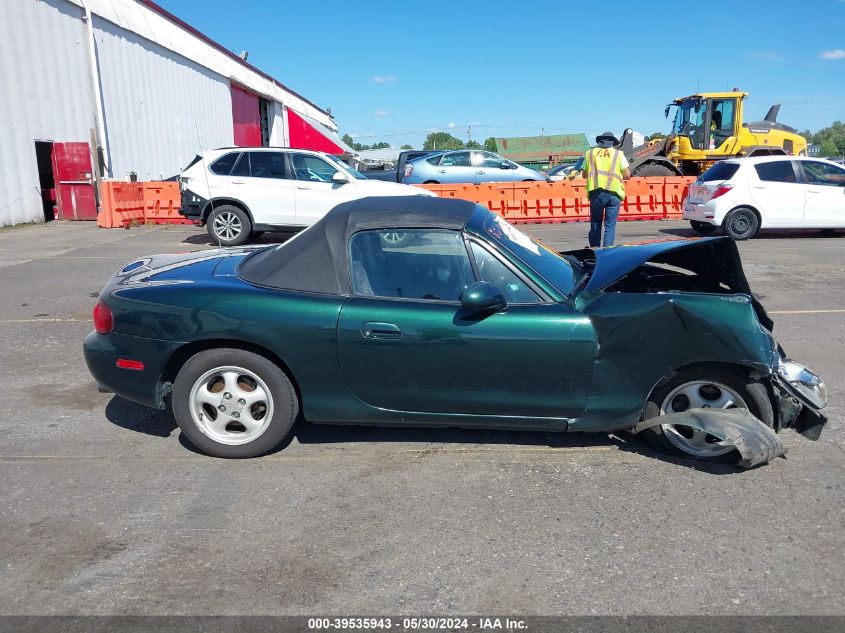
[{"x": 316, "y": 260}]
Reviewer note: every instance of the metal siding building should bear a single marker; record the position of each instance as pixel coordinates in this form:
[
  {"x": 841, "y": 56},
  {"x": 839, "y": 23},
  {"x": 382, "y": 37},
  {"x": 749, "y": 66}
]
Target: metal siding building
[
  {"x": 159, "y": 107},
  {"x": 45, "y": 93},
  {"x": 144, "y": 90}
]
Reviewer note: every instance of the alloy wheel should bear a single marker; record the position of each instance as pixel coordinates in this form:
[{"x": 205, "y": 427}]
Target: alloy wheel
[
  {"x": 227, "y": 225},
  {"x": 698, "y": 394},
  {"x": 231, "y": 405}
]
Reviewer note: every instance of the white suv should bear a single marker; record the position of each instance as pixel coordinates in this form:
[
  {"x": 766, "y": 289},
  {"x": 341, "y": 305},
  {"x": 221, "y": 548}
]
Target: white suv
[
  {"x": 745, "y": 195},
  {"x": 238, "y": 192}
]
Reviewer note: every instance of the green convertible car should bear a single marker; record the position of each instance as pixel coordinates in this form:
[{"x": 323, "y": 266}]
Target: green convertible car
[{"x": 418, "y": 311}]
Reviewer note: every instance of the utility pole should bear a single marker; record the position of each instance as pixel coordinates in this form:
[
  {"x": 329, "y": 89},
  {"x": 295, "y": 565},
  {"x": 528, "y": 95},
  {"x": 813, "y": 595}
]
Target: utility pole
[{"x": 469, "y": 134}]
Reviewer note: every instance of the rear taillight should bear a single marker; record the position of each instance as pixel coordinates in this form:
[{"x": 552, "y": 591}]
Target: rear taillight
[
  {"x": 721, "y": 190},
  {"x": 103, "y": 319},
  {"x": 409, "y": 169}
]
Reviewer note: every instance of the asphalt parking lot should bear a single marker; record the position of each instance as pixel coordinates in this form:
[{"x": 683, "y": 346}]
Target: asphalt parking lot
[{"x": 104, "y": 510}]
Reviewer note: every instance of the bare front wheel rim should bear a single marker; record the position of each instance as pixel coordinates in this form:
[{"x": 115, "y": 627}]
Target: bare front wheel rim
[
  {"x": 227, "y": 225},
  {"x": 740, "y": 224},
  {"x": 698, "y": 394},
  {"x": 231, "y": 405}
]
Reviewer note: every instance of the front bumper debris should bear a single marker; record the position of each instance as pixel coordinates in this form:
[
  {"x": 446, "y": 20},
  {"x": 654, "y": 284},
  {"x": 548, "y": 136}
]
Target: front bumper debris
[{"x": 757, "y": 443}]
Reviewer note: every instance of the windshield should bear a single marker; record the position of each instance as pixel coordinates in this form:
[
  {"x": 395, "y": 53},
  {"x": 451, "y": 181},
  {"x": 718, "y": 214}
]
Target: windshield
[
  {"x": 552, "y": 266},
  {"x": 690, "y": 113},
  {"x": 357, "y": 175}
]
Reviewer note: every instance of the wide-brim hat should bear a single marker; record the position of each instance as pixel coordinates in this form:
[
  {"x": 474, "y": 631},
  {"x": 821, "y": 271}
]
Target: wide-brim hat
[{"x": 607, "y": 139}]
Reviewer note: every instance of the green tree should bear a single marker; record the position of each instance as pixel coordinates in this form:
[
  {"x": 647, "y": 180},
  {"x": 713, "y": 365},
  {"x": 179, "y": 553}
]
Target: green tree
[
  {"x": 828, "y": 148},
  {"x": 654, "y": 136},
  {"x": 490, "y": 144},
  {"x": 380, "y": 145},
  {"x": 406, "y": 146},
  {"x": 834, "y": 134},
  {"x": 473, "y": 145},
  {"x": 348, "y": 140},
  {"x": 442, "y": 140}
]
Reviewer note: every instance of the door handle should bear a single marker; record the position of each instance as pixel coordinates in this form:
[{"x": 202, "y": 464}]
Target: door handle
[
  {"x": 237, "y": 182},
  {"x": 760, "y": 187},
  {"x": 442, "y": 171},
  {"x": 813, "y": 191},
  {"x": 380, "y": 330},
  {"x": 305, "y": 187},
  {"x": 480, "y": 171}
]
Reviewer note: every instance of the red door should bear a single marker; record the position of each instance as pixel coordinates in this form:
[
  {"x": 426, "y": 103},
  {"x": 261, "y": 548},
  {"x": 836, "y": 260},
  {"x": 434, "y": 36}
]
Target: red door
[
  {"x": 246, "y": 117},
  {"x": 74, "y": 183}
]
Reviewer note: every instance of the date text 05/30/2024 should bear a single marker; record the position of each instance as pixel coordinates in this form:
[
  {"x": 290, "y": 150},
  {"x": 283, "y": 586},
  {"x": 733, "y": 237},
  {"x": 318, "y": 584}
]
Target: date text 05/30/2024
[{"x": 415, "y": 624}]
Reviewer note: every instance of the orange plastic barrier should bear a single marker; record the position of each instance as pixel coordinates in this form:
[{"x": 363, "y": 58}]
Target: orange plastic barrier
[
  {"x": 162, "y": 201},
  {"x": 651, "y": 198},
  {"x": 123, "y": 204},
  {"x": 677, "y": 188}
]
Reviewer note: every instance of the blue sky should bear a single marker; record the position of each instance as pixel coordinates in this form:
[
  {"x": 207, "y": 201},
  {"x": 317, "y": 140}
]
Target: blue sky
[{"x": 394, "y": 70}]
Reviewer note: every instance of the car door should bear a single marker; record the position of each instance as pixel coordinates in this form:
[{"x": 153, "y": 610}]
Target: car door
[
  {"x": 777, "y": 193},
  {"x": 488, "y": 168},
  {"x": 316, "y": 193},
  {"x": 406, "y": 344},
  {"x": 455, "y": 167},
  {"x": 262, "y": 182},
  {"x": 824, "y": 187}
]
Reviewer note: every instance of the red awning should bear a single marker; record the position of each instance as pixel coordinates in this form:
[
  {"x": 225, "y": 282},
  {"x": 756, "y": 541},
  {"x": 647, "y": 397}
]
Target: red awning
[{"x": 305, "y": 133}]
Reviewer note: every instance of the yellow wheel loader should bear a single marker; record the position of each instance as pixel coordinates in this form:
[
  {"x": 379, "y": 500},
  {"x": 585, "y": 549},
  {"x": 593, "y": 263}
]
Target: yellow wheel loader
[{"x": 708, "y": 127}]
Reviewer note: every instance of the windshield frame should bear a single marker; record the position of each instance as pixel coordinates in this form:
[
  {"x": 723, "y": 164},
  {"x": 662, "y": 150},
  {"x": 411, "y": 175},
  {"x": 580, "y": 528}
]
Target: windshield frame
[
  {"x": 521, "y": 256},
  {"x": 351, "y": 171}
]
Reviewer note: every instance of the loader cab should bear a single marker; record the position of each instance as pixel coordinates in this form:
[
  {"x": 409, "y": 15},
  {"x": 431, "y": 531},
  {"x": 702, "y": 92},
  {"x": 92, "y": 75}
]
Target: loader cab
[{"x": 706, "y": 122}]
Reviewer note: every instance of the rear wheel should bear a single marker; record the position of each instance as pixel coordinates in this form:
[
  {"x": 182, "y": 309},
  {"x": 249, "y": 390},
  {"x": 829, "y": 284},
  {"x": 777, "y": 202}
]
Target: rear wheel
[
  {"x": 741, "y": 224},
  {"x": 431, "y": 182},
  {"x": 703, "y": 387},
  {"x": 228, "y": 225},
  {"x": 653, "y": 169},
  {"x": 233, "y": 403},
  {"x": 703, "y": 228}
]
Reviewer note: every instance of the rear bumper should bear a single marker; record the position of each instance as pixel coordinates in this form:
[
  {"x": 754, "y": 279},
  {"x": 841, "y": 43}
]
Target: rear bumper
[
  {"x": 700, "y": 212},
  {"x": 192, "y": 205},
  {"x": 144, "y": 387}
]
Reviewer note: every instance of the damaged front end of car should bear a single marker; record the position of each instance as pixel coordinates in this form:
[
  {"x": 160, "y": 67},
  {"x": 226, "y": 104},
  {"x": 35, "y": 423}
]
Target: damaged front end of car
[{"x": 688, "y": 302}]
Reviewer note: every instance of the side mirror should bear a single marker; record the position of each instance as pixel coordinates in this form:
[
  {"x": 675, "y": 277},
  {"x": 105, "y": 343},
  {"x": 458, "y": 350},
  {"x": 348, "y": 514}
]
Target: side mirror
[
  {"x": 339, "y": 178},
  {"x": 483, "y": 296},
  {"x": 505, "y": 165}
]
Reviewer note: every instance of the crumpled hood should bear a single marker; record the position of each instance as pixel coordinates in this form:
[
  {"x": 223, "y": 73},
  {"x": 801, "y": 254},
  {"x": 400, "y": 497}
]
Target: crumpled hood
[{"x": 697, "y": 254}]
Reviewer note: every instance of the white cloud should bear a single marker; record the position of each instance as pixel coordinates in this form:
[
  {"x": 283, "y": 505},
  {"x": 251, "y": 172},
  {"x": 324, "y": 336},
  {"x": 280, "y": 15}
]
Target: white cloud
[
  {"x": 836, "y": 53},
  {"x": 384, "y": 79},
  {"x": 381, "y": 113},
  {"x": 451, "y": 126},
  {"x": 433, "y": 130}
]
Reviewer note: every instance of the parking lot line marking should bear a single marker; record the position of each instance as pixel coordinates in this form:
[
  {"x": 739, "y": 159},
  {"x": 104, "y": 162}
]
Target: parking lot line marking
[
  {"x": 805, "y": 311},
  {"x": 44, "y": 320}
]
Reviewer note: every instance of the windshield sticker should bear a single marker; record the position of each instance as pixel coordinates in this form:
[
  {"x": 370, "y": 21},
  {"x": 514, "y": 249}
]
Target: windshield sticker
[{"x": 516, "y": 236}]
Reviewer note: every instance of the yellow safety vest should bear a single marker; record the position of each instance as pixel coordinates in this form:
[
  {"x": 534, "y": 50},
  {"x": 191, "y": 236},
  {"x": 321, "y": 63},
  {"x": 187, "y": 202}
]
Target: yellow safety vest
[{"x": 603, "y": 170}]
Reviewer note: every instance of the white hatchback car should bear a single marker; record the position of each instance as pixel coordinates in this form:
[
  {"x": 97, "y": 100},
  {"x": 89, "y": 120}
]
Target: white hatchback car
[
  {"x": 745, "y": 195},
  {"x": 239, "y": 192}
]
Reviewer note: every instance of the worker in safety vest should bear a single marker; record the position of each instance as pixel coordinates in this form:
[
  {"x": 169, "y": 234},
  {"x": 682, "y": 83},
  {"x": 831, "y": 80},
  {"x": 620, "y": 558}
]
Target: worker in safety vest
[{"x": 605, "y": 169}]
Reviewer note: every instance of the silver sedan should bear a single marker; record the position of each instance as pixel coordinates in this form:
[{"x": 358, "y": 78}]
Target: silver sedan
[{"x": 466, "y": 166}]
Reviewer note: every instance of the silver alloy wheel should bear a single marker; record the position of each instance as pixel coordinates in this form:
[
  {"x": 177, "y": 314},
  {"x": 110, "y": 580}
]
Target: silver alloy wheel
[
  {"x": 231, "y": 405},
  {"x": 703, "y": 394},
  {"x": 227, "y": 225}
]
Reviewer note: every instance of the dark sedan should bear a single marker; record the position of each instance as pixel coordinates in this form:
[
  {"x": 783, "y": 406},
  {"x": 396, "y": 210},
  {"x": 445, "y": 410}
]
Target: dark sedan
[{"x": 464, "y": 321}]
